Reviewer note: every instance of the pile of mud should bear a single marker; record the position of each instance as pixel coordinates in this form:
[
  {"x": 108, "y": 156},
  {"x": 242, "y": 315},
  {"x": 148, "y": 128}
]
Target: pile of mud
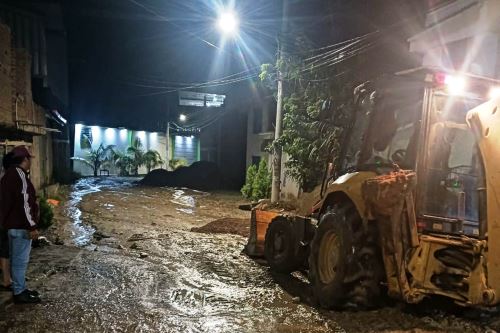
[
  {"x": 203, "y": 176},
  {"x": 226, "y": 225}
]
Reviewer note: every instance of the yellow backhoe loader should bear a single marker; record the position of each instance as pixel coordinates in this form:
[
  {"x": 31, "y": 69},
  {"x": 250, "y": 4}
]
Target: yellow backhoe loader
[{"x": 414, "y": 207}]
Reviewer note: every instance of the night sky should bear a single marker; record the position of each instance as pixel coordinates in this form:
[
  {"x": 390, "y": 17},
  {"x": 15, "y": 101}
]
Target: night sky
[
  {"x": 125, "y": 55},
  {"x": 125, "y": 58}
]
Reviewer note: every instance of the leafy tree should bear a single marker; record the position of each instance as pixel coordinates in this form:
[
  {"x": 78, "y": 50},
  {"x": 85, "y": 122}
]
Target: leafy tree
[
  {"x": 319, "y": 109},
  {"x": 123, "y": 162},
  {"x": 96, "y": 158},
  {"x": 152, "y": 159}
]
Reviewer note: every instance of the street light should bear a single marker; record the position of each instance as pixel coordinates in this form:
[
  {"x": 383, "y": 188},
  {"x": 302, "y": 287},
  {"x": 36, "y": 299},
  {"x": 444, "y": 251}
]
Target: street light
[
  {"x": 182, "y": 117},
  {"x": 228, "y": 23}
]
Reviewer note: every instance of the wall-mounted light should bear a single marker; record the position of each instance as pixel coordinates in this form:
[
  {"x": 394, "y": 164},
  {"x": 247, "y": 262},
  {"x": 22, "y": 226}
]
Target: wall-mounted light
[
  {"x": 142, "y": 136},
  {"x": 96, "y": 134},
  {"x": 123, "y": 134},
  {"x": 110, "y": 135}
]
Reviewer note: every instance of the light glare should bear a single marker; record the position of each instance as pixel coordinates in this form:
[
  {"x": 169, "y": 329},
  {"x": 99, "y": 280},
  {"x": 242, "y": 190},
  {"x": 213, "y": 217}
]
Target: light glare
[
  {"x": 182, "y": 117},
  {"x": 123, "y": 134},
  {"x": 228, "y": 22},
  {"x": 494, "y": 92},
  {"x": 110, "y": 134},
  {"x": 455, "y": 85}
]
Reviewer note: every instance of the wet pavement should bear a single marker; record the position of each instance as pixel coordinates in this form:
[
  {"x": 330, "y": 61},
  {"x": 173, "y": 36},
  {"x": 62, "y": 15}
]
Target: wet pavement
[{"x": 131, "y": 264}]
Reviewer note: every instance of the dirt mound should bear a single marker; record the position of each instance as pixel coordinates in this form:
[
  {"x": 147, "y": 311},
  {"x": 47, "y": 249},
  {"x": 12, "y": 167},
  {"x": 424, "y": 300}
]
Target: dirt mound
[
  {"x": 204, "y": 176},
  {"x": 226, "y": 225}
]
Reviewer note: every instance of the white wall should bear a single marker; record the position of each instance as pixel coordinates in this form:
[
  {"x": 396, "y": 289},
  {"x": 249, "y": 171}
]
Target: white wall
[
  {"x": 120, "y": 138},
  {"x": 256, "y": 140}
]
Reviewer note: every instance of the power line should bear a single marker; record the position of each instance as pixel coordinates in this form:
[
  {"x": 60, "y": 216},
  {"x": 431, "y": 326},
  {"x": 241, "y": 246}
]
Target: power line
[{"x": 208, "y": 84}]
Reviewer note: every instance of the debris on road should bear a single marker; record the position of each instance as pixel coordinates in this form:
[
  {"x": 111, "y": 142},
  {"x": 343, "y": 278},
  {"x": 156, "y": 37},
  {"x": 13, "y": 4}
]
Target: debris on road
[
  {"x": 204, "y": 176},
  {"x": 226, "y": 225}
]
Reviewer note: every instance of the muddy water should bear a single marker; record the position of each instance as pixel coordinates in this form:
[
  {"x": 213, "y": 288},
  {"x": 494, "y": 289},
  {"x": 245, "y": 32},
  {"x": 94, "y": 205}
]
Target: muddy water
[{"x": 146, "y": 272}]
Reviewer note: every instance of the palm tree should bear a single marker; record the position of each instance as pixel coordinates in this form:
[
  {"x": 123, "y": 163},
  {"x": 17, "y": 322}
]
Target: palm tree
[
  {"x": 96, "y": 158},
  {"x": 136, "y": 152},
  {"x": 123, "y": 162},
  {"x": 152, "y": 159}
]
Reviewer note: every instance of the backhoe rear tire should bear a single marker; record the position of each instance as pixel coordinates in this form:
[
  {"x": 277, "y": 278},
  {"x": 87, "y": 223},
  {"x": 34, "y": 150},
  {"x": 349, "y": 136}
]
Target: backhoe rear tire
[
  {"x": 282, "y": 249},
  {"x": 345, "y": 265},
  {"x": 328, "y": 259}
]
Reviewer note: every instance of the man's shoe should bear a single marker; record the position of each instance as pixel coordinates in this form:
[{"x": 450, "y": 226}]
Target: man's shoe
[
  {"x": 26, "y": 297},
  {"x": 33, "y": 292}
]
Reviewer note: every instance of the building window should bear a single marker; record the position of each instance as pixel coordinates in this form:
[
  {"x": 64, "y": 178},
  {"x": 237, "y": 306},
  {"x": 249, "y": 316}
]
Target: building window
[
  {"x": 266, "y": 144},
  {"x": 86, "y": 137},
  {"x": 257, "y": 121},
  {"x": 186, "y": 148}
]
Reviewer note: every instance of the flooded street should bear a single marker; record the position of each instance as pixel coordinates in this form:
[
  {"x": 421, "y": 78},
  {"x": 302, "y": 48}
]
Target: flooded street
[{"x": 130, "y": 263}]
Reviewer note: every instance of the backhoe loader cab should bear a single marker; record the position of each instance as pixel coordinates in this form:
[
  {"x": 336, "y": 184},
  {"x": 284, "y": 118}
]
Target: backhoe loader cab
[{"x": 416, "y": 211}]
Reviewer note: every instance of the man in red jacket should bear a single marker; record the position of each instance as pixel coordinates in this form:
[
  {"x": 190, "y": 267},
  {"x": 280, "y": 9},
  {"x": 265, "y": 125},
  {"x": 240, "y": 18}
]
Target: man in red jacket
[{"x": 20, "y": 218}]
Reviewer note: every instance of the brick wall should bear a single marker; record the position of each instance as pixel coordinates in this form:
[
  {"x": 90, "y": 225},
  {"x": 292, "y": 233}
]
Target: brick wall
[
  {"x": 5, "y": 76},
  {"x": 21, "y": 70}
]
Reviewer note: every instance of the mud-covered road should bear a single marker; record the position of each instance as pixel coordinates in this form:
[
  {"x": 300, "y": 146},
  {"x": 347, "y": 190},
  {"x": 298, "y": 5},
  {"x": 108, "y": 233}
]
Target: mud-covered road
[{"x": 130, "y": 263}]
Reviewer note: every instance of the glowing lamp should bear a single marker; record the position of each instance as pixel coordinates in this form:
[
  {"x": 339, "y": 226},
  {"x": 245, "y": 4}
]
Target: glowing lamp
[
  {"x": 228, "y": 23},
  {"x": 454, "y": 84},
  {"x": 494, "y": 92},
  {"x": 182, "y": 117}
]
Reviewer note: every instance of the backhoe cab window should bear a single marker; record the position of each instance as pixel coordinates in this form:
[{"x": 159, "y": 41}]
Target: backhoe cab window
[
  {"x": 391, "y": 136},
  {"x": 453, "y": 167}
]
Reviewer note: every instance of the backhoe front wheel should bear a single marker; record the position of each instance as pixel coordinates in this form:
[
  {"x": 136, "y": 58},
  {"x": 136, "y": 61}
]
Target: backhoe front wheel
[
  {"x": 345, "y": 266},
  {"x": 283, "y": 250}
]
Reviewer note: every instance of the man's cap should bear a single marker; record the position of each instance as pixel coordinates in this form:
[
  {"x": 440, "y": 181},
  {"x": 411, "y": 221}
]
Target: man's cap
[{"x": 21, "y": 151}]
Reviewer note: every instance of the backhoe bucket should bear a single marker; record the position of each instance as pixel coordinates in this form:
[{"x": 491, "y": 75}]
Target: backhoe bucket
[{"x": 259, "y": 222}]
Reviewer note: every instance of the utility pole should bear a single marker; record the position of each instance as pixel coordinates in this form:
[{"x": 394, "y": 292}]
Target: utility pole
[
  {"x": 167, "y": 166},
  {"x": 276, "y": 183}
]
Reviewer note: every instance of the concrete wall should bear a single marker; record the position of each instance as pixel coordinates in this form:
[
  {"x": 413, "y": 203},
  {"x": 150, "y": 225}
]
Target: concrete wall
[
  {"x": 256, "y": 142},
  {"x": 42, "y": 165},
  {"x": 290, "y": 189}
]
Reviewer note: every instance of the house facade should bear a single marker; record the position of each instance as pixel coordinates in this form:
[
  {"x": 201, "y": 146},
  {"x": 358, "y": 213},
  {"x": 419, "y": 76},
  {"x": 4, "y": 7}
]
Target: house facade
[
  {"x": 34, "y": 88},
  {"x": 22, "y": 121},
  {"x": 261, "y": 122},
  {"x": 461, "y": 35}
]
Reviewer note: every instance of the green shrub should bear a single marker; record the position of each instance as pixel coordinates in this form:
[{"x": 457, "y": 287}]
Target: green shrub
[
  {"x": 261, "y": 188},
  {"x": 258, "y": 182},
  {"x": 246, "y": 190},
  {"x": 46, "y": 214}
]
